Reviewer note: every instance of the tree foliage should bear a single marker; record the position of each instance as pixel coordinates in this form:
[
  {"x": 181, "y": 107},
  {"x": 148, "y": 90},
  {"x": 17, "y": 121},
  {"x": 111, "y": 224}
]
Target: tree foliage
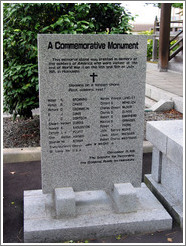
[
  {"x": 22, "y": 23},
  {"x": 174, "y": 5},
  {"x": 177, "y": 5}
]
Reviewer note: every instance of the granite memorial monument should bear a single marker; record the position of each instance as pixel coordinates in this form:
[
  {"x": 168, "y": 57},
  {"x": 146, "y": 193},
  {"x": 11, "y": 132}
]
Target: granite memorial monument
[{"x": 92, "y": 94}]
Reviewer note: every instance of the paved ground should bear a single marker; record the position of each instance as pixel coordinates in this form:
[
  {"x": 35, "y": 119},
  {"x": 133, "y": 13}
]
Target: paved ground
[
  {"x": 27, "y": 176},
  {"x": 168, "y": 81}
]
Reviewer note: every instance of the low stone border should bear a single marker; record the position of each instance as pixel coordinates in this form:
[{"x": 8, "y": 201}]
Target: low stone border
[
  {"x": 34, "y": 153},
  {"x": 158, "y": 94},
  {"x": 21, "y": 154}
]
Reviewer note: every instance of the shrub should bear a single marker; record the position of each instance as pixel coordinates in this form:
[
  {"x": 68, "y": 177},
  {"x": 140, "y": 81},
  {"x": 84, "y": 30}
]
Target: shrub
[{"x": 22, "y": 23}]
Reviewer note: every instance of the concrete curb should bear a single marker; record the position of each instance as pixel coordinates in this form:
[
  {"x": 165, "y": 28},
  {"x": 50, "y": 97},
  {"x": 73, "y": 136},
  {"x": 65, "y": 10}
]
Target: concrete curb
[
  {"x": 21, "y": 154},
  {"x": 15, "y": 155},
  {"x": 157, "y": 94}
]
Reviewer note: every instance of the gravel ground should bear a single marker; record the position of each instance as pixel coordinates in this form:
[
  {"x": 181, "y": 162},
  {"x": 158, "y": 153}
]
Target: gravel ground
[{"x": 26, "y": 133}]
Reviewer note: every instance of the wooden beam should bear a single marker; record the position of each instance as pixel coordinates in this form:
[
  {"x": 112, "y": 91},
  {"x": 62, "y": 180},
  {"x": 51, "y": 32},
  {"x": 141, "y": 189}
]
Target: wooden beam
[{"x": 164, "y": 36}]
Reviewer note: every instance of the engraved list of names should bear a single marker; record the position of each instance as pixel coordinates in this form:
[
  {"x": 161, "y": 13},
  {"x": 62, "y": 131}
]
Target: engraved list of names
[{"x": 92, "y": 103}]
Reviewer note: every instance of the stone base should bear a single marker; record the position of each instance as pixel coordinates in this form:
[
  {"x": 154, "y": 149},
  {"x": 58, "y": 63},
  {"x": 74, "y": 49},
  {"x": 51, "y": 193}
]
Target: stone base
[
  {"x": 95, "y": 217},
  {"x": 169, "y": 202}
]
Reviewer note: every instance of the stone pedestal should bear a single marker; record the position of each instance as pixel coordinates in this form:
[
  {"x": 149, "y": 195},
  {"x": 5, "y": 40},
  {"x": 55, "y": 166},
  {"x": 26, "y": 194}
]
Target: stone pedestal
[
  {"x": 166, "y": 180},
  {"x": 65, "y": 205},
  {"x": 125, "y": 198},
  {"x": 94, "y": 215}
]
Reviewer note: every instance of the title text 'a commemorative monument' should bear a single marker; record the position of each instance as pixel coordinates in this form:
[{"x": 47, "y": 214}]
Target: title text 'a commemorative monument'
[{"x": 92, "y": 90}]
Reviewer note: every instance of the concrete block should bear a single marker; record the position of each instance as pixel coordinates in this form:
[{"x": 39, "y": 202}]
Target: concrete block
[
  {"x": 156, "y": 164},
  {"x": 175, "y": 149},
  {"x": 172, "y": 178},
  {"x": 162, "y": 105},
  {"x": 65, "y": 202},
  {"x": 155, "y": 136},
  {"x": 158, "y": 133},
  {"x": 125, "y": 198}
]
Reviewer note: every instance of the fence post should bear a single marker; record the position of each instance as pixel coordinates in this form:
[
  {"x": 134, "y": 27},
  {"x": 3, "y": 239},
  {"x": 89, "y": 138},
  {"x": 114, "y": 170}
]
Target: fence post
[
  {"x": 154, "y": 49},
  {"x": 164, "y": 36},
  {"x": 155, "y": 42}
]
